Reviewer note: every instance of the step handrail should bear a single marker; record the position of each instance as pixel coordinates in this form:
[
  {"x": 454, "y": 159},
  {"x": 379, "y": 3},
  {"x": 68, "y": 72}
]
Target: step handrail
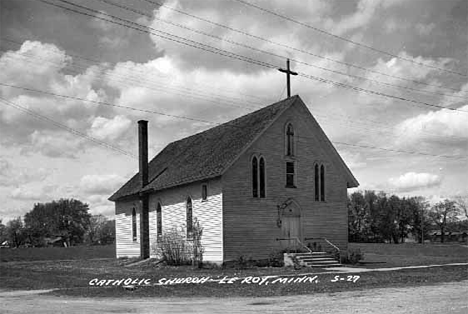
[
  {"x": 297, "y": 240},
  {"x": 331, "y": 244}
]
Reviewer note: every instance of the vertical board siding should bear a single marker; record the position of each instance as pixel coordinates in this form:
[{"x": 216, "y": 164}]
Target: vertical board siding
[
  {"x": 250, "y": 224},
  {"x": 208, "y": 213},
  {"x": 125, "y": 246}
]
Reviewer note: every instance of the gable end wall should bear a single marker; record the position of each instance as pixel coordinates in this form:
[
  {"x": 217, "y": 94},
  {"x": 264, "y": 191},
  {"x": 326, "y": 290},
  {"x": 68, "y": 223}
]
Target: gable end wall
[{"x": 250, "y": 224}]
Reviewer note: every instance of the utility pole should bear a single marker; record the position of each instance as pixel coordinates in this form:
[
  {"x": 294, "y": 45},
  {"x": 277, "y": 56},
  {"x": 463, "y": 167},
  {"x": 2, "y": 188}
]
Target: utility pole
[{"x": 288, "y": 74}]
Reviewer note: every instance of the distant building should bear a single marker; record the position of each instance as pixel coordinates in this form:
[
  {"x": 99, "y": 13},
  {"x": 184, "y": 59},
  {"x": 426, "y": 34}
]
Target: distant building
[
  {"x": 450, "y": 236},
  {"x": 269, "y": 175}
]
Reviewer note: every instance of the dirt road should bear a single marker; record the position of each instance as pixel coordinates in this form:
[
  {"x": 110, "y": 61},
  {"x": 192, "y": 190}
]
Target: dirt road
[{"x": 443, "y": 298}]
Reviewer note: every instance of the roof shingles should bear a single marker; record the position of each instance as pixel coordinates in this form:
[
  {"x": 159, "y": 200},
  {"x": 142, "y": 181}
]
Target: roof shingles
[{"x": 204, "y": 155}]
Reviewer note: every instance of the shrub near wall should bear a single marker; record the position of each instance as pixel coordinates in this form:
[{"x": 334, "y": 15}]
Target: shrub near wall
[{"x": 176, "y": 249}]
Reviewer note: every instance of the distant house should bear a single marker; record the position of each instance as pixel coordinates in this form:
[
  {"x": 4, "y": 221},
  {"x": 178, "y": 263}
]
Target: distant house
[
  {"x": 269, "y": 175},
  {"x": 450, "y": 236},
  {"x": 56, "y": 241}
]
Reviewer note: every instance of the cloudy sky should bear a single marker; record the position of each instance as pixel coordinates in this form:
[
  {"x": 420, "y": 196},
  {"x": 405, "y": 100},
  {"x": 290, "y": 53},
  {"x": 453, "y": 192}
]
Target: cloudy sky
[{"x": 377, "y": 85}]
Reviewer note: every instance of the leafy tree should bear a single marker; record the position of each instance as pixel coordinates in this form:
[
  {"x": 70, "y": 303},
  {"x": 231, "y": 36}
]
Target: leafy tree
[
  {"x": 420, "y": 223},
  {"x": 15, "y": 231},
  {"x": 68, "y": 218},
  {"x": 3, "y": 232},
  {"x": 442, "y": 213},
  {"x": 462, "y": 204},
  {"x": 101, "y": 230},
  {"x": 358, "y": 218}
]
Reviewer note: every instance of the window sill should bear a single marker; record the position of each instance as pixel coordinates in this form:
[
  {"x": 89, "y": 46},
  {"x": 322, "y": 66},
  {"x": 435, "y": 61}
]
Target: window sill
[{"x": 290, "y": 186}]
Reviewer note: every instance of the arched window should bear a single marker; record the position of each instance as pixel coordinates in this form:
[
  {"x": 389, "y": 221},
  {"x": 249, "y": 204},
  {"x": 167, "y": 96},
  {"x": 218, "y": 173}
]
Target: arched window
[
  {"x": 322, "y": 183},
  {"x": 262, "y": 177},
  {"x": 255, "y": 177},
  {"x": 134, "y": 225},
  {"x": 158, "y": 221},
  {"x": 290, "y": 140},
  {"x": 317, "y": 185},
  {"x": 189, "y": 217}
]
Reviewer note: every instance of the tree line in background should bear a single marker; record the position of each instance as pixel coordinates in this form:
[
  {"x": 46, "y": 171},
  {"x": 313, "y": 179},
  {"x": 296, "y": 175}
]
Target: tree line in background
[
  {"x": 377, "y": 217},
  {"x": 65, "y": 222}
]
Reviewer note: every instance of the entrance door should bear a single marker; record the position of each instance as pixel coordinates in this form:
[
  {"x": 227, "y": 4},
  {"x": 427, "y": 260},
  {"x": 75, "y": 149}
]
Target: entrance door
[{"x": 291, "y": 225}]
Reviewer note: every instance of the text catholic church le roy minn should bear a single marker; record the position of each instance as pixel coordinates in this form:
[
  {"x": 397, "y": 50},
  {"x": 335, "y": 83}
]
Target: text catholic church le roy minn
[{"x": 251, "y": 183}]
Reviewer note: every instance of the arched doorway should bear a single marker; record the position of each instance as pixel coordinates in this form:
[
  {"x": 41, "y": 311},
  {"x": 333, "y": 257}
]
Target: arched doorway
[{"x": 291, "y": 227}]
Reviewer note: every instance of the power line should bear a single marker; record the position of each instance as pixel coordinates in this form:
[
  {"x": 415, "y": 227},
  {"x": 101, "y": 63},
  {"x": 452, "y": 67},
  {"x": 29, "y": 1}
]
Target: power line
[
  {"x": 106, "y": 104},
  {"x": 232, "y": 55},
  {"x": 348, "y": 118},
  {"x": 353, "y": 125},
  {"x": 210, "y": 122},
  {"x": 295, "y": 48},
  {"x": 66, "y": 128},
  {"x": 97, "y": 62},
  {"x": 275, "y": 54},
  {"x": 216, "y": 99},
  {"x": 346, "y": 39}
]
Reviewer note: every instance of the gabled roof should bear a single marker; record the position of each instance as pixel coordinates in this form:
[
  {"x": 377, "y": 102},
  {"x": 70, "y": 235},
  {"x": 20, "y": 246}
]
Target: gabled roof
[
  {"x": 204, "y": 155},
  {"x": 210, "y": 153}
]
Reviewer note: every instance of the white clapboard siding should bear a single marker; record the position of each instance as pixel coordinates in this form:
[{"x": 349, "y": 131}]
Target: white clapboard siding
[
  {"x": 125, "y": 246},
  {"x": 208, "y": 213}
]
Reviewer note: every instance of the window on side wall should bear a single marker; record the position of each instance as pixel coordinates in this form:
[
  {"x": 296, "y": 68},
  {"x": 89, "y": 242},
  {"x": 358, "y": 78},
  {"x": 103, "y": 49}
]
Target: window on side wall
[
  {"x": 159, "y": 221},
  {"x": 204, "y": 192},
  {"x": 189, "y": 218},
  {"x": 134, "y": 225}
]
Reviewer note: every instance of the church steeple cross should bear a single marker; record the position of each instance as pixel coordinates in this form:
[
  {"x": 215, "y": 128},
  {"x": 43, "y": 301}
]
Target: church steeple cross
[{"x": 288, "y": 74}]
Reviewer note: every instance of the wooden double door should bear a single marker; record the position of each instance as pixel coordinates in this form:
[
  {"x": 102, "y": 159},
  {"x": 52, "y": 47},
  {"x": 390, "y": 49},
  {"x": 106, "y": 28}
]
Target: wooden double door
[{"x": 291, "y": 226}]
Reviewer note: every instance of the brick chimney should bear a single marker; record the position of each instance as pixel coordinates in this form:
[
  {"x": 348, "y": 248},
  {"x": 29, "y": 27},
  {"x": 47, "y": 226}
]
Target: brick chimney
[
  {"x": 144, "y": 199},
  {"x": 143, "y": 151}
]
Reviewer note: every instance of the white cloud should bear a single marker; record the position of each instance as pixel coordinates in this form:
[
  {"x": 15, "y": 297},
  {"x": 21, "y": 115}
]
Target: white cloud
[
  {"x": 53, "y": 144},
  {"x": 443, "y": 127},
  {"x": 14, "y": 175},
  {"x": 25, "y": 193},
  {"x": 413, "y": 181},
  {"x": 100, "y": 184},
  {"x": 109, "y": 129}
]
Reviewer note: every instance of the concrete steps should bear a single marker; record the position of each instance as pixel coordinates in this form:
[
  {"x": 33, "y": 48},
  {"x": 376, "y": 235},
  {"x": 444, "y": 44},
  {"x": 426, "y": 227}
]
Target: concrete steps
[{"x": 317, "y": 259}]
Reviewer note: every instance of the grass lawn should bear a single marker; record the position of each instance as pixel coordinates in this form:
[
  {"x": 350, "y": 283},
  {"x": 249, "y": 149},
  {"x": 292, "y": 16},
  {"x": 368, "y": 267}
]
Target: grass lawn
[
  {"x": 378, "y": 255},
  {"x": 56, "y": 253},
  {"x": 72, "y": 276}
]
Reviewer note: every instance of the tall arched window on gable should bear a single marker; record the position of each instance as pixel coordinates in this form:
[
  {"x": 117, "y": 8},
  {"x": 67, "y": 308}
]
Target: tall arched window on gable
[
  {"x": 290, "y": 140},
  {"x": 254, "y": 177},
  {"x": 158, "y": 221},
  {"x": 189, "y": 217},
  {"x": 322, "y": 183},
  {"x": 317, "y": 184},
  {"x": 134, "y": 225},
  {"x": 262, "y": 177}
]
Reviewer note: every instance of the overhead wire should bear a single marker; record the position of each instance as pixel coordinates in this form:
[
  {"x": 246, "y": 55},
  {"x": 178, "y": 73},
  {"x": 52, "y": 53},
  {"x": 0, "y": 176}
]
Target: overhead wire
[
  {"x": 283, "y": 57},
  {"x": 348, "y": 40},
  {"x": 67, "y": 128},
  {"x": 229, "y": 54},
  {"x": 348, "y": 64},
  {"x": 217, "y": 123}
]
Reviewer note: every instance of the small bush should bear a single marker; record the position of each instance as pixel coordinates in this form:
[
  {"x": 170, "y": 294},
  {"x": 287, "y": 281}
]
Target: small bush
[
  {"x": 276, "y": 259},
  {"x": 242, "y": 262},
  {"x": 175, "y": 249},
  {"x": 354, "y": 256}
]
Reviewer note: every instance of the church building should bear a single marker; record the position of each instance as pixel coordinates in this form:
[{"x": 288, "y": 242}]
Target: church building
[{"x": 255, "y": 184}]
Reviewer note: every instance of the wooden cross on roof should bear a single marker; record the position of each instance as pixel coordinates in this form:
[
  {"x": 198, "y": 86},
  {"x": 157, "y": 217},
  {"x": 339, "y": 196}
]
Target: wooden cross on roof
[{"x": 288, "y": 73}]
